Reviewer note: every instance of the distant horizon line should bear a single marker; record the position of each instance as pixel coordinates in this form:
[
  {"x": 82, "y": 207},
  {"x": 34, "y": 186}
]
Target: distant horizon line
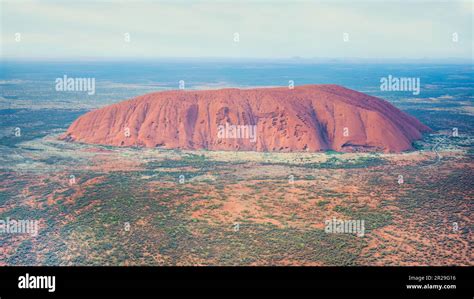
[{"x": 297, "y": 59}]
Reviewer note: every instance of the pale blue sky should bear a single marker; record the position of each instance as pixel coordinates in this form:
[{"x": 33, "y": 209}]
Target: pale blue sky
[{"x": 267, "y": 29}]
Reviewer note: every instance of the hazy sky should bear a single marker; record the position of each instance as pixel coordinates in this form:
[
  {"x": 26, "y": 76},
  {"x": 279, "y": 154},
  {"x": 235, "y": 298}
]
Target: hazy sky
[{"x": 270, "y": 29}]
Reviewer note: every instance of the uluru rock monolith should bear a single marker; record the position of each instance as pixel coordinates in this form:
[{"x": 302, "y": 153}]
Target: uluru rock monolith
[{"x": 305, "y": 118}]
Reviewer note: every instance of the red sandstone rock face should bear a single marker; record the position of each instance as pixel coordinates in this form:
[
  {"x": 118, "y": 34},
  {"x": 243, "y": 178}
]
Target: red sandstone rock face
[{"x": 306, "y": 118}]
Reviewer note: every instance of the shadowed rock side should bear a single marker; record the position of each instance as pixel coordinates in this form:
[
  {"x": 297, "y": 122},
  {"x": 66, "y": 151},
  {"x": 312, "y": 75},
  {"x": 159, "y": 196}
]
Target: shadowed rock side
[{"x": 306, "y": 118}]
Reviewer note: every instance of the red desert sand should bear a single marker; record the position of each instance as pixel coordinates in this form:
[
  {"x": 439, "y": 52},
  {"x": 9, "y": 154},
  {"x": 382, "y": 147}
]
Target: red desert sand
[{"x": 305, "y": 118}]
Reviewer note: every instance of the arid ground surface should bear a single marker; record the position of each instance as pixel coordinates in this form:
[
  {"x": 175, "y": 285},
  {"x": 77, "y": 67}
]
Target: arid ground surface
[{"x": 132, "y": 206}]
